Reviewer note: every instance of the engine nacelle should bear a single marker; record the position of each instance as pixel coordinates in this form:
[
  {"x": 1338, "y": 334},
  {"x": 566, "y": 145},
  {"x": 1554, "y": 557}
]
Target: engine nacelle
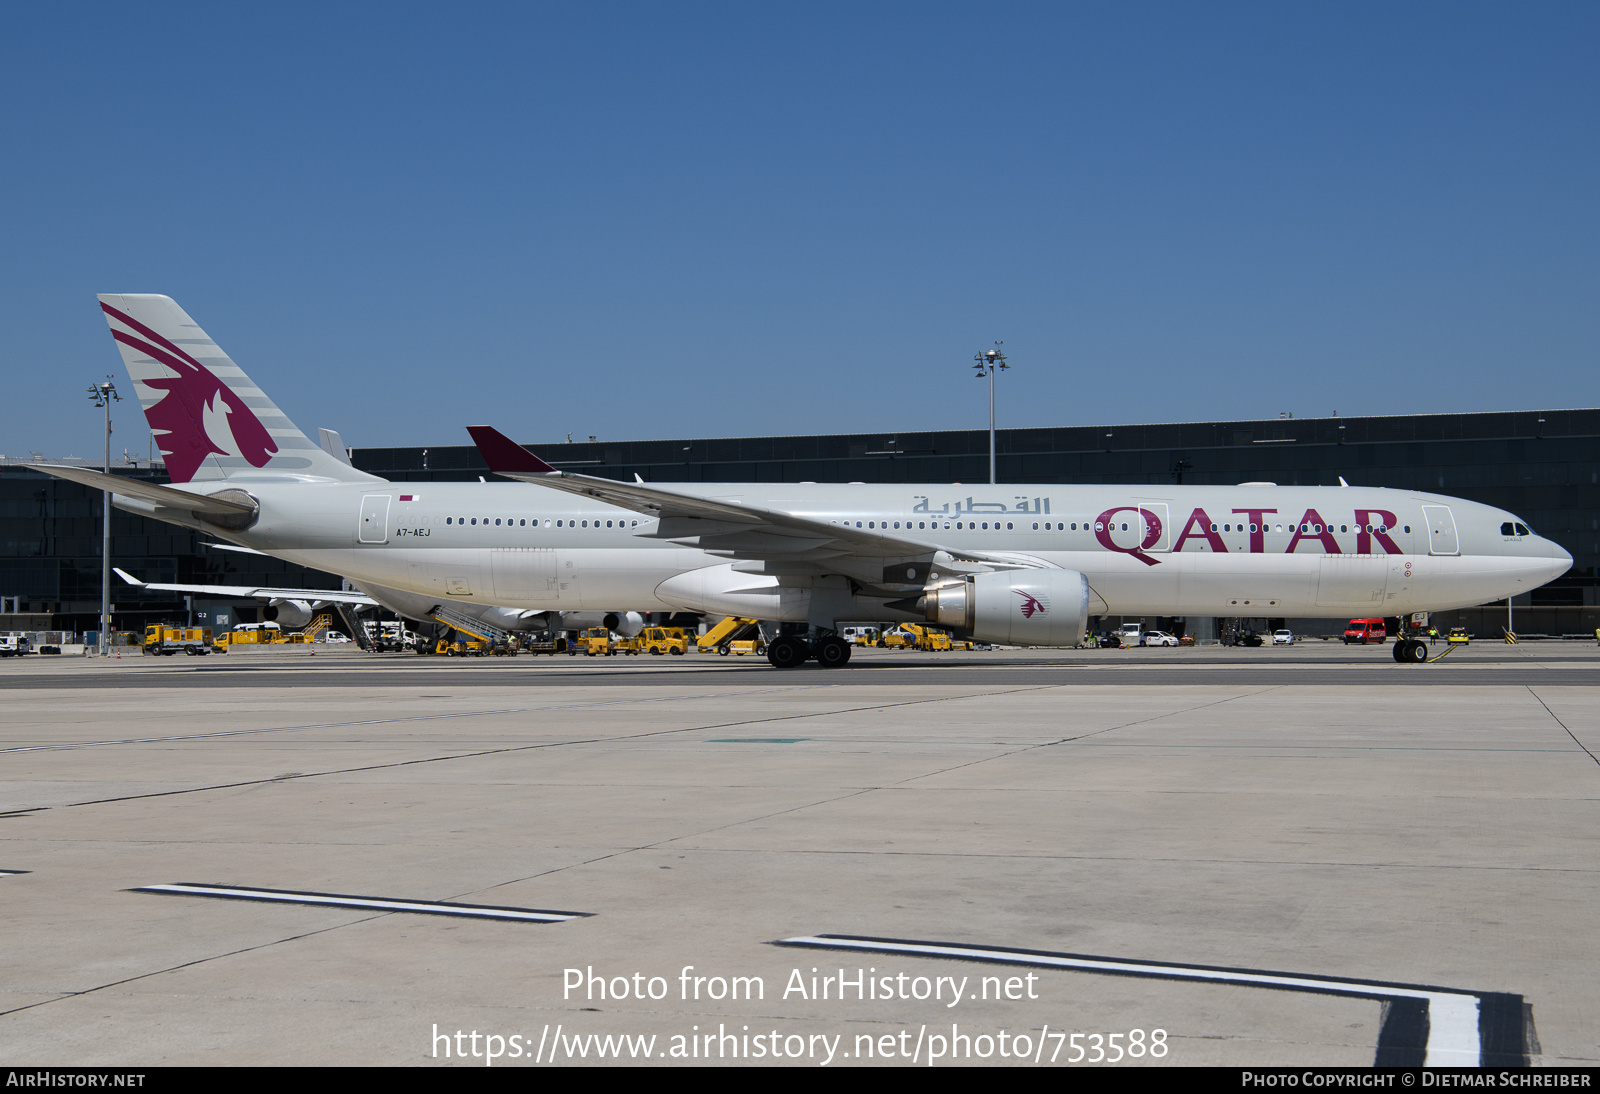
[
  {"x": 513, "y": 619},
  {"x": 288, "y": 614},
  {"x": 626, "y": 624},
  {"x": 1015, "y": 607}
]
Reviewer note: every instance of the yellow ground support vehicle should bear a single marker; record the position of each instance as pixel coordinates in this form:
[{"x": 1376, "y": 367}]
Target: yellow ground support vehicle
[
  {"x": 457, "y": 644},
  {"x": 664, "y": 640},
  {"x": 594, "y": 642},
  {"x": 159, "y": 638},
  {"x": 732, "y": 628},
  {"x": 916, "y": 636},
  {"x": 1460, "y": 637},
  {"x": 246, "y": 634}
]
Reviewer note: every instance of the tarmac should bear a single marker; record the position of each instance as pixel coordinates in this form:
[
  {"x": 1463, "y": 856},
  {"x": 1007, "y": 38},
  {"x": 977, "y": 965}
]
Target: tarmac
[{"x": 1296, "y": 856}]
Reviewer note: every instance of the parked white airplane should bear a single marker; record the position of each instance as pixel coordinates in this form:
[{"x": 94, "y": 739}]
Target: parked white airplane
[
  {"x": 295, "y": 607},
  {"x": 1010, "y": 563}
]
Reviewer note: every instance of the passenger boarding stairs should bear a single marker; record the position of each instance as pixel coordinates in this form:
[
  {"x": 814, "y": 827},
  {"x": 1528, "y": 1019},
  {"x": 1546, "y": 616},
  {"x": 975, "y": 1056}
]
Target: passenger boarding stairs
[
  {"x": 450, "y": 617},
  {"x": 731, "y": 629}
]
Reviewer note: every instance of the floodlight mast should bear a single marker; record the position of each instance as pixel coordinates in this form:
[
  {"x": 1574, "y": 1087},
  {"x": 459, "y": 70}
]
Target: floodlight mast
[
  {"x": 103, "y": 395},
  {"x": 989, "y": 362}
]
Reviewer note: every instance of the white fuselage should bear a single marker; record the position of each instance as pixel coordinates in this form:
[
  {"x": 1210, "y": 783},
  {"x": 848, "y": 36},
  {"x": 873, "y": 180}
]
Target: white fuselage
[{"x": 1144, "y": 550}]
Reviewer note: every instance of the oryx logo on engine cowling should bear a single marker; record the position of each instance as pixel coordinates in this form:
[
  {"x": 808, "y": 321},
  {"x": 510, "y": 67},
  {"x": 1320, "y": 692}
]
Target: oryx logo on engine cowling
[
  {"x": 1104, "y": 526},
  {"x": 1032, "y": 605}
]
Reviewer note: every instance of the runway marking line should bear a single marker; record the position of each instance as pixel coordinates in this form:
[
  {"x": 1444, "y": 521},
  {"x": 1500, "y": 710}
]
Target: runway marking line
[
  {"x": 370, "y": 903},
  {"x": 1423, "y": 1025}
]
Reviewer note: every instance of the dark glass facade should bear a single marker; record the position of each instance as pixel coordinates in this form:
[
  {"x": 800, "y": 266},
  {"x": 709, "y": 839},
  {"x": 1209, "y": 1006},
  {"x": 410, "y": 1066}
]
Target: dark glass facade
[{"x": 50, "y": 536}]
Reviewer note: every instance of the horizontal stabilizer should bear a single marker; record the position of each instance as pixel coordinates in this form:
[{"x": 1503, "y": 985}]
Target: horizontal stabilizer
[
  {"x": 255, "y": 592},
  {"x": 155, "y": 494},
  {"x": 235, "y": 547}
]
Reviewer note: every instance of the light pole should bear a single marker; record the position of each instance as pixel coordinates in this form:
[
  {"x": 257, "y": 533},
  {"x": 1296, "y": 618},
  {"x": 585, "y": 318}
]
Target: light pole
[
  {"x": 103, "y": 395},
  {"x": 989, "y": 362}
]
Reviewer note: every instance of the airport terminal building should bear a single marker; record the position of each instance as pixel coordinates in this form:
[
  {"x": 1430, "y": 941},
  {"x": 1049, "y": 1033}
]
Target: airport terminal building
[{"x": 1542, "y": 465}]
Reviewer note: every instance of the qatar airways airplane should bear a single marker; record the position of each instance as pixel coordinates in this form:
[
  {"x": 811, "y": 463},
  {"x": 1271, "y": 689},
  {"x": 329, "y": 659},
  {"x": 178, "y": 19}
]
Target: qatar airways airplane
[{"x": 1011, "y": 563}]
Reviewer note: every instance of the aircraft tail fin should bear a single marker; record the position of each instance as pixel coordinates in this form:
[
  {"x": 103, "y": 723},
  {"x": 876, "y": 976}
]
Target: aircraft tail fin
[{"x": 210, "y": 420}]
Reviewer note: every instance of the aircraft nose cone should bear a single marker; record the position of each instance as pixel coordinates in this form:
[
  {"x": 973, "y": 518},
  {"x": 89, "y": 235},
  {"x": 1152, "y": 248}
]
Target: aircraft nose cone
[{"x": 1560, "y": 560}]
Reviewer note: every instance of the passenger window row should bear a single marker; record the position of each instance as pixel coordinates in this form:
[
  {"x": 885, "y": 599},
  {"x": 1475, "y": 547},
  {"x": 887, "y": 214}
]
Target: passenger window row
[{"x": 514, "y": 522}]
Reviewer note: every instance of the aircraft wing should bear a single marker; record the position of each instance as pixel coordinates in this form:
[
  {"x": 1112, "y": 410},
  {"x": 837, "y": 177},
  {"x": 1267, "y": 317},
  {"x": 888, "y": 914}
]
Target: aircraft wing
[
  {"x": 726, "y": 527},
  {"x": 168, "y": 496},
  {"x": 326, "y": 596}
]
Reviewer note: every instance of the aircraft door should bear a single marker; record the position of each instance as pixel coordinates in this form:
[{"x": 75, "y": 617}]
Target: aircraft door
[
  {"x": 1442, "y": 538},
  {"x": 1136, "y": 527},
  {"x": 374, "y": 525},
  {"x": 1156, "y": 526}
]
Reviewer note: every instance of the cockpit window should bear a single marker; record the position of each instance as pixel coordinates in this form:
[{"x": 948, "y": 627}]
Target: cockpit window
[
  {"x": 1508, "y": 529},
  {"x": 1522, "y": 529}
]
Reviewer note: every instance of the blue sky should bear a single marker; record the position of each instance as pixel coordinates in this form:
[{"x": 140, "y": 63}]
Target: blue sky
[{"x": 648, "y": 220}]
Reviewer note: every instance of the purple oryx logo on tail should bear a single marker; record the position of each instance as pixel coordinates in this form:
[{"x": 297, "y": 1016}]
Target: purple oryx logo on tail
[{"x": 199, "y": 415}]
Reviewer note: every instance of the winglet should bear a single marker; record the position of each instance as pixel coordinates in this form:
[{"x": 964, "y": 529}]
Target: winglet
[
  {"x": 129, "y": 578},
  {"x": 504, "y": 455}
]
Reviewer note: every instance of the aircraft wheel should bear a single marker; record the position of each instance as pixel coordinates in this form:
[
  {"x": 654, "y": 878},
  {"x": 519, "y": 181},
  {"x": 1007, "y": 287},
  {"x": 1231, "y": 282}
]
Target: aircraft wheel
[
  {"x": 833, "y": 652},
  {"x": 1418, "y": 654},
  {"x": 1400, "y": 651},
  {"x": 787, "y": 653}
]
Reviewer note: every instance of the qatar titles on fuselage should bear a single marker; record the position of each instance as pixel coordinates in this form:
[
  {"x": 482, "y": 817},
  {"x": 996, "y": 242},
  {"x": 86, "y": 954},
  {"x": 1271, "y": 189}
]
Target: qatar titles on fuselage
[{"x": 1196, "y": 550}]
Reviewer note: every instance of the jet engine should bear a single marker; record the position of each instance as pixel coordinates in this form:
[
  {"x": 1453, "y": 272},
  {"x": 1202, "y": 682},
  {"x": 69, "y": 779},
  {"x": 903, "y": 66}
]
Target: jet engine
[
  {"x": 288, "y": 614},
  {"x": 514, "y": 619},
  {"x": 626, "y": 624},
  {"x": 1014, "y": 607}
]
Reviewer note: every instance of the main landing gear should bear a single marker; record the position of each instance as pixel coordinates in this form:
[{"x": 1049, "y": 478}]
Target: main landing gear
[
  {"x": 1410, "y": 651},
  {"x": 790, "y": 652}
]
